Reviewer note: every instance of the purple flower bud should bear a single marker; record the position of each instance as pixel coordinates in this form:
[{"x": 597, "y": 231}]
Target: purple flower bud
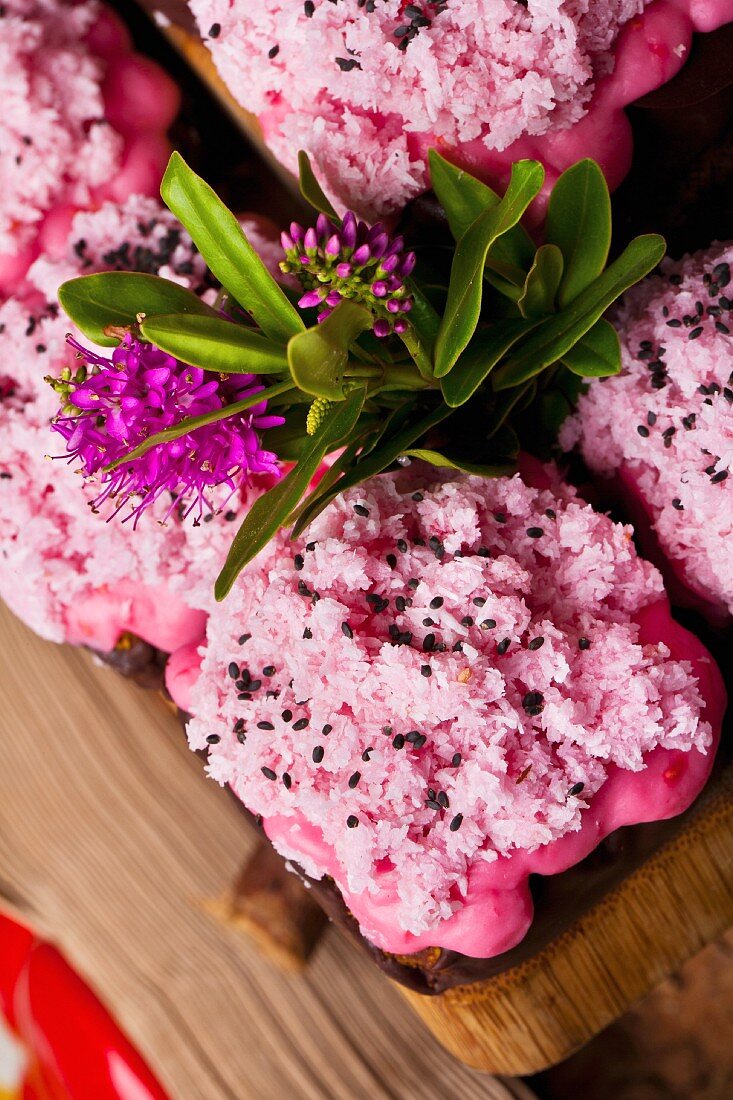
[
  {"x": 393, "y": 305},
  {"x": 333, "y": 298},
  {"x": 325, "y": 312},
  {"x": 400, "y": 325},
  {"x": 362, "y": 255},
  {"x": 296, "y": 232},
  {"x": 348, "y": 230},
  {"x": 381, "y": 328},
  {"x": 379, "y": 289},
  {"x": 379, "y": 245},
  {"x": 312, "y": 298},
  {"x": 407, "y": 304},
  {"x": 311, "y": 241},
  {"x": 344, "y": 270},
  {"x": 394, "y": 284},
  {"x": 324, "y": 228},
  {"x": 333, "y": 247},
  {"x": 408, "y": 264},
  {"x": 389, "y": 264},
  {"x": 287, "y": 242}
]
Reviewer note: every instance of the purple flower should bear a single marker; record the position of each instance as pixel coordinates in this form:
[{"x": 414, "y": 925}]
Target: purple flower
[
  {"x": 112, "y": 405},
  {"x": 354, "y": 261}
]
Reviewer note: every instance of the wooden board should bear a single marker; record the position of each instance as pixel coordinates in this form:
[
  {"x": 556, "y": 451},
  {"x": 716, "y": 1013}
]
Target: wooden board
[
  {"x": 111, "y": 842},
  {"x": 539, "y": 1012}
]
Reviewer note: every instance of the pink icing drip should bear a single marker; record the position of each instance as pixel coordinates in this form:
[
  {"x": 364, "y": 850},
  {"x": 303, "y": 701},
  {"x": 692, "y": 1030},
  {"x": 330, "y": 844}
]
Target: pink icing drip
[
  {"x": 649, "y": 51},
  {"x": 156, "y": 615},
  {"x": 497, "y": 909},
  {"x": 141, "y": 102}
]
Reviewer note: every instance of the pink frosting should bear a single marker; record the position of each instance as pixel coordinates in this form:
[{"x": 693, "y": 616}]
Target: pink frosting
[
  {"x": 83, "y": 121},
  {"x": 63, "y": 570},
  {"x": 488, "y": 82},
  {"x": 633, "y": 716},
  {"x": 669, "y": 444}
]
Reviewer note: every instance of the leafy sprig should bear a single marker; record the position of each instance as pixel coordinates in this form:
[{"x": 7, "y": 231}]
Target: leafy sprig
[{"x": 518, "y": 327}]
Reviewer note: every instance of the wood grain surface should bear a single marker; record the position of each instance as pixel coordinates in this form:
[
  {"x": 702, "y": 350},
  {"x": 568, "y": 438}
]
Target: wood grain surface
[{"x": 111, "y": 843}]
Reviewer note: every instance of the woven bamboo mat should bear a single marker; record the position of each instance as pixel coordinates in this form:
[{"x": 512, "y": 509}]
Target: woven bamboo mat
[{"x": 111, "y": 840}]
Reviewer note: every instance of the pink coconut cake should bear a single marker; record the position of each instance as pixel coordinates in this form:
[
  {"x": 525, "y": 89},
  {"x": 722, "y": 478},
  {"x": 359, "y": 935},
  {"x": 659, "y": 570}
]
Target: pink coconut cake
[
  {"x": 66, "y": 572},
  {"x": 368, "y": 86},
  {"x": 448, "y": 685},
  {"x": 83, "y": 120},
  {"x": 663, "y": 428}
]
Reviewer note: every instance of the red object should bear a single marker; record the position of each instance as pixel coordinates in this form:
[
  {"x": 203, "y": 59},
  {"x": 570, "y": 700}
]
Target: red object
[{"x": 75, "y": 1049}]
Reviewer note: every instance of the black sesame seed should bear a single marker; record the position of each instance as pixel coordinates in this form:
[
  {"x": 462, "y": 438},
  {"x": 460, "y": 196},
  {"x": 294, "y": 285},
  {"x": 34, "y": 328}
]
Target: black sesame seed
[
  {"x": 677, "y": 504},
  {"x": 499, "y": 517},
  {"x": 426, "y": 670},
  {"x": 391, "y": 561},
  {"x": 307, "y": 633},
  {"x": 214, "y": 30},
  {"x": 309, "y": 7},
  {"x": 651, "y": 419},
  {"x": 536, "y": 643},
  {"x": 326, "y": 729},
  {"x": 354, "y": 779},
  {"x": 346, "y": 630},
  {"x": 694, "y": 333},
  {"x": 241, "y": 736},
  {"x": 361, "y": 510},
  {"x": 535, "y": 532},
  {"x": 265, "y": 726},
  {"x": 436, "y": 602},
  {"x": 418, "y": 497},
  {"x": 720, "y": 327},
  {"x": 255, "y": 685},
  {"x": 467, "y": 621},
  {"x": 301, "y": 724},
  {"x": 550, "y": 513},
  {"x": 366, "y": 754},
  {"x": 234, "y": 671},
  {"x": 432, "y": 804},
  {"x": 720, "y": 476},
  {"x": 287, "y": 781},
  {"x": 456, "y": 823},
  {"x": 413, "y": 583},
  {"x": 317, "y": 754},
  {"x": 443, "y": 799},
  {"x": 456, "y": 760},
  {"x": 533, "y": 702},
  {"x": 583, "y": 643},
  {"x": 352, "y": 821},
  {"x": 402, "y": 546},
  {"x": 478, "y": 601},
  {"x": 269, "y": 670},
  {"x": 503, "y": 646},
  {"x": 428, "y": 644},
  {"x": 298, "y": 561},
  {"x": 269, "y": 773},
  {"x": 213, "y": 739},
  {"x": 488, "y": 624},
  {"x": 398, "y": 741},
  {"x": 244, "y": 638},
  {"x": 576, "y": 788},
  {"x": 643, "y": 431}
]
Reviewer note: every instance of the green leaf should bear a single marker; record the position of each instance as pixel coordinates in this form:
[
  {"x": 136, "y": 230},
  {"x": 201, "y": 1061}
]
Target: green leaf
[
  {"x": 579, "y": 223},
  {"x": 555, "y": 336},
  {"x": 270, "y": 511},
  {"x": 231, "y": 258},
  {"x": 466, "y": 283},
  {"x": 540, "y": 287},
  {"x": 215, "y": 344},
  {"x": 96, "y": 303},
  {"x": 319, "y": 356},
  {"x": 311, "y": 189},
  {"x": 464, "y": 198},
  {"x": 597, "y": 354},
  {"x": 377, "y": 460},
  {"x": 192, "y": 422},
  {"x": 420, "y": 337},
  {"x": 480, "y": 357},
  {"x": 435, "y": 458}
]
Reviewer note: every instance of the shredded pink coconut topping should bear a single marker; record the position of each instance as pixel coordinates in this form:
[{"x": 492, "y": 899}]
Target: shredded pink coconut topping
[
  {"x": 440, "y": 672},
  {"x": 56, "y": 552},
  {"x": 55, "y": 142},
  {"x": 667, "y": 419}
]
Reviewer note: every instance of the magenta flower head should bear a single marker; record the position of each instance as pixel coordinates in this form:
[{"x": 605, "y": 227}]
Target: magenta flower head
[
  {"x": 354, "y": 261},
  {"x": 114, "y": 404}
]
